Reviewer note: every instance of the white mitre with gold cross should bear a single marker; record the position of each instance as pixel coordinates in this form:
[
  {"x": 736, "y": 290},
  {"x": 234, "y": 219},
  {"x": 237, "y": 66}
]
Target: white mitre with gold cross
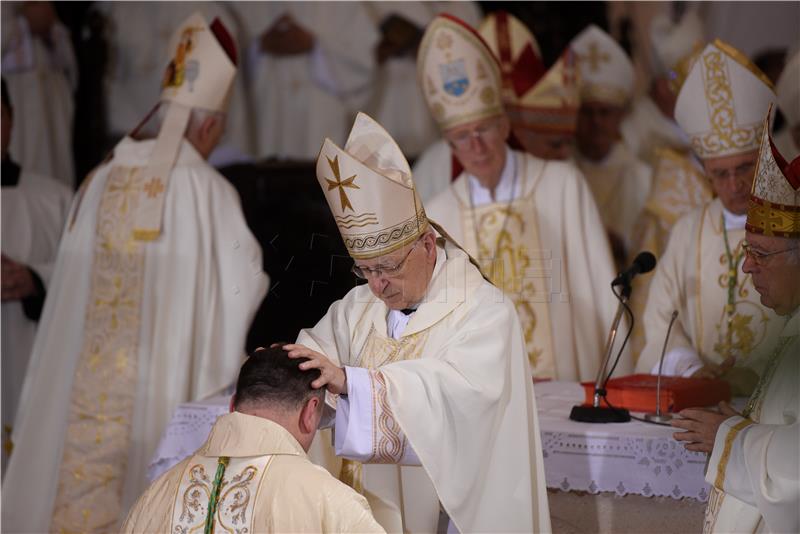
[
  {"x": 199, "y": 74},
  {"x": 536, "y": 99},
  {"x": 775, "y": 198},
  {"x": 606, "y": 72},
  {"x": 788, "y": 89},
  {"x": 672, "y": 41},
  {"x": 721, "y": 104},
  {"x": 370, "y": 191},
  {"x": 459, "y": 75}
]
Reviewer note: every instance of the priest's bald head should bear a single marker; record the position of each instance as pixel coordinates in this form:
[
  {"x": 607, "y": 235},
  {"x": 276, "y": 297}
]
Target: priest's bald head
[{"x": 272, "y": 386}]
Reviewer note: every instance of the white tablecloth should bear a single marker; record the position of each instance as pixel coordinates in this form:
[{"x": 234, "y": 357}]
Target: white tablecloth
[{"x": 624, "y": 458}]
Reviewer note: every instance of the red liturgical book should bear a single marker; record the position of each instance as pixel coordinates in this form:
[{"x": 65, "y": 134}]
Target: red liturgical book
[{"x": 637, "y": 393}]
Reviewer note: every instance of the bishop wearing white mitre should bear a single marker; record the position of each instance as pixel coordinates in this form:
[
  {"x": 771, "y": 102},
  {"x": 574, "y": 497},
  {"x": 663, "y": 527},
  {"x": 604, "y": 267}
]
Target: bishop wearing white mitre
[
  {"x": 531, "y": 224},
  {"x": 155, "y": 285},
  {"x": 435, "y": 408},
  {"x": 720, "y": 319}
]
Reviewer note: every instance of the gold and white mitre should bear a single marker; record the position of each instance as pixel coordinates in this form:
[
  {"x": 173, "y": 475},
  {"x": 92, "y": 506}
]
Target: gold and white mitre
[
  {"x": 370, "y": 191},
  {"x": 458, "y": 73},
  {"x": 788, "y": 89},
  {"x": 535, "y": 99},
  {"x": 775, "y": 198},
  {"x": 672, "y": 41},
  {"x": 721, "y": 104},
  {"x": 199, "y": 74},
  {"x": 606, "y": 72}
]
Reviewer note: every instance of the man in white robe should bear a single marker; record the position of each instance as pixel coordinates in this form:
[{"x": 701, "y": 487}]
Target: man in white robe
[
  {"x": 650, "y": 125},
  {"x": 754, "y": 465},
  {"x": 721, "y": 329},
  {"x": 138, "y": 33},
  {"x": 788, "y": 91},
  {"x": 252, "y": 474},
  {"x": 41, "y": 72},
  {"x": 426, "y": 335},
  {"x": 34, "y": 208},
  {"x": 619, "y": 181},
  {"x": 311, "y": 65},
  {"x": 155, "y": 285},
  {"x": 397, "y": 102},
  {"x": 531, "y": 224}
]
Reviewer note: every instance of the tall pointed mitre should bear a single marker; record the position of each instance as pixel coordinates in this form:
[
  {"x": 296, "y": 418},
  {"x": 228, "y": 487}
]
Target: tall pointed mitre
[
  {"x": 722, "y": 102},
  {"x": 199, "y": 74},
  {"x": 606, "y": 72},
  {"x": 775, "y": 198},
  {"x": 370, "y": 191},
  {"x": 673, "y": 41},
  {"x": 458, "y": 73},
  {"x": 788, "y": 89},
  {"x": 535, "y": 99}
]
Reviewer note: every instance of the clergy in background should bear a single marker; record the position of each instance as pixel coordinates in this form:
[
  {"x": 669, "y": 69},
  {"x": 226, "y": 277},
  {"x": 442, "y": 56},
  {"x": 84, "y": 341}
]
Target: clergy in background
[
  {"x": 754, "y": 466},
  {"x": 155, "y": 285},
  {"x": 253, "y": 473},
  {"x": 618, "y": 179},
  {"x": 436, "y": 409},
  {"x": 531, "y": 224},
  {"x": 311, "y": 65},
  {"x": 40, "y": 69},
  {"x": 34, "y": 208},
  {"x": 650, "y": 126},
  {"x": 788, "y": 90},
  {"x": 541, "y": 104},
  {"x": 722, "y": 328}
]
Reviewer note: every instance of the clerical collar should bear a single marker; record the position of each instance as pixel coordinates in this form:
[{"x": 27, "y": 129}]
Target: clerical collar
[
  {"x": 11, "y": 170},
  {"x": 733, "y": 221},
  {"x": 504, "y": 192}
]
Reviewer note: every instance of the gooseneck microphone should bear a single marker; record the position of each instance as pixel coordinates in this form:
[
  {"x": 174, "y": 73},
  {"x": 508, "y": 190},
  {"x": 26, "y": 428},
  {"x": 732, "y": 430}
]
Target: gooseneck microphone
[{"x": 644, "y": 263}]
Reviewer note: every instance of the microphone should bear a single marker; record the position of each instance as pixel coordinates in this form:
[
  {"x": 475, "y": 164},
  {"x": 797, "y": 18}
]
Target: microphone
[
  {"x": 644, "y": 263},
  {"x": 658, "y": 417}
]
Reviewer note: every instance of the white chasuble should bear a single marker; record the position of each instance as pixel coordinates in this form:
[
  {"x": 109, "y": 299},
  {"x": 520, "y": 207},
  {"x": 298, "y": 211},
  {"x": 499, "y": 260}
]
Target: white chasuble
[
  {"x": 719, "y": 310},
  {"x": 433, "y": 170},
  {"x": 452, "y": 393},
  {"x": 679, "y": 186},
  {"x": 754, "y": 467},
  {"x": 131, "y": 329},
  {"x": 646, "y": 131},
  {"x": 549, "y": 249},
  {"x": 250, "y": 476}
]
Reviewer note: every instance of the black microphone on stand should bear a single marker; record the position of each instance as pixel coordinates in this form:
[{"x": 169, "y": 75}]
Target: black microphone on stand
[{"x": 644, "y": 263}]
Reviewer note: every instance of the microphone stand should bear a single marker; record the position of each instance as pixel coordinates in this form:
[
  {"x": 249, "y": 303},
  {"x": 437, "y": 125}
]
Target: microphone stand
[
  {"x": 596, "y": 413},
  {"x": 658, "y": 417}
]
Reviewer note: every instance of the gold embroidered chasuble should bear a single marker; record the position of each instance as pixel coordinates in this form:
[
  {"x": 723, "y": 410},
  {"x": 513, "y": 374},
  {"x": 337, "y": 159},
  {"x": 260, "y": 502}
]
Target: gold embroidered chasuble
[
  {"x": 267, "y": 485},
  {"x": 679, "y": 186},
  {"x": 455, "y": 389},
  {"x": 693, "y": 277},
  {"x": 754, "y": 468},
  {"x": 104, "y": 389},
  {"x": 552, "y": 254}
]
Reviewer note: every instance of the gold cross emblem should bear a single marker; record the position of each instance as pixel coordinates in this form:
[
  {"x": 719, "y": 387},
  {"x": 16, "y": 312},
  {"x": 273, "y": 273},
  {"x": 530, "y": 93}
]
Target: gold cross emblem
[
  {"x": 594, "y": 57},
  {"x": 341, "y": 184},
  {"x": 154, "y": 187}
]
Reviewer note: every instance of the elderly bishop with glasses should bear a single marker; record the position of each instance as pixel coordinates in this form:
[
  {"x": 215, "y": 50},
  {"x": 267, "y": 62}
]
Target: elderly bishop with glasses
[
  {"x": 425, "y": 364},
  {"x": 754, "y": 465}
]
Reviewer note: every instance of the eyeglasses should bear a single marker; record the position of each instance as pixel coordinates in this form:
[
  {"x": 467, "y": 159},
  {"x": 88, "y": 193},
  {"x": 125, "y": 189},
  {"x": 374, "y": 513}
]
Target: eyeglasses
[
  {"x": 760, "y": 258},
  {"x": 741, "y": 172},
  {"x": 484, "y": 132},
  {"x": 377, "y": 272}
]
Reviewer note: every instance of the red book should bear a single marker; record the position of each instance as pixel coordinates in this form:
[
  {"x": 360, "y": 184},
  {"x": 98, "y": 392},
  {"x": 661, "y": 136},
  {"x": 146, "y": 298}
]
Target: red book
[{"x": 637, "y": 393}]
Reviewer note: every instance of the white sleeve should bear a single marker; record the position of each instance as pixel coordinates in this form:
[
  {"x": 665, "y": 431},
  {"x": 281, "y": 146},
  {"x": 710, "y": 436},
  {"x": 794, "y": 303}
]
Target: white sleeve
[
  {"x": 365, "y": 429},
  {"x": 680, "y": 361},
  {"x": 759, "y": 465}
]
